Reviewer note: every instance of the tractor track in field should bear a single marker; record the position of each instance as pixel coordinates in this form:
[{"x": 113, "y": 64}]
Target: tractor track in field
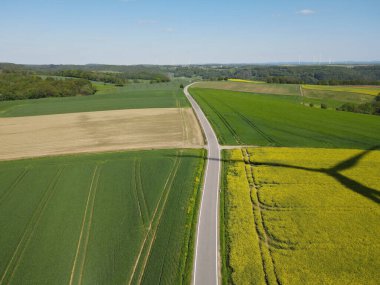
[
  {"x": 252, "y": 124},
  {"x": 185, "y": 136},
  {"x": 265, "y": 241},
  {"x": 18, "y": 179},
  {"x": 257, "y": 129},
  {"x": 225, "y": 122},
  {"x": 170, "y": 237},
  {"x": 142, "y": 272},
  {"x": 135, "y": 191},
  {"x": 140, "y": 188},
  {"x": 31, "y": 227},
  {"x": 90, "y": 200},
  {"x": 171, "y": 177}
]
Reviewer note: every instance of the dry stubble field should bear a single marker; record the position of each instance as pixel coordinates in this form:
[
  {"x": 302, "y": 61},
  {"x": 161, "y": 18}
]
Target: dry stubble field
[{"x": 23, "y": 137}]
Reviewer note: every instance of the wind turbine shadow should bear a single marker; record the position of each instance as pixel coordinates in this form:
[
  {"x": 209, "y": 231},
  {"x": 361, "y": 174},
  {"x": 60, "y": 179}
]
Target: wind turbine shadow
[{"x": 334, "y": 172}]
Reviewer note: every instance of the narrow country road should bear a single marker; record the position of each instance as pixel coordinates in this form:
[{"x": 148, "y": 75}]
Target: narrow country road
[{"x": 206, "y": 261}]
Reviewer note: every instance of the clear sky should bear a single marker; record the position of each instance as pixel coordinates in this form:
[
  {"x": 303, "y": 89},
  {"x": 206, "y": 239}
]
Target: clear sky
[{"x": 192, "y": 31}]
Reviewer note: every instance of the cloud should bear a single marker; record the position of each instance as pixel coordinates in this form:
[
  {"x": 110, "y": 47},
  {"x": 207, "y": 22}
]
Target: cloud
[{"x": 306, "y": 12}]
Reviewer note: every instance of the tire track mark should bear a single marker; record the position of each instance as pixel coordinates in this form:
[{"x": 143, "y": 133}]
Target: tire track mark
[
  {"x": 147, "y": 256},
  {"x": 135, "y": 191},
  {"x": 30, "y": 229},
  {"x": 89, "y": 203},
  {"x": 260, "y": 226},
  {"x": 18, "y": 179},
  {"x": 151, "y": 222},
  {"x": 257, "y": 129},
  {"x": 179, "y": 195},
  {"x": 185, "y": 135},
  {"x": 140, "y": 189},
  {"x": 225, "y": 122}
]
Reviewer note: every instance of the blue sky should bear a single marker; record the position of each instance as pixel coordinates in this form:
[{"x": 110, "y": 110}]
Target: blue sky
[{"x": 183, "y": 32}]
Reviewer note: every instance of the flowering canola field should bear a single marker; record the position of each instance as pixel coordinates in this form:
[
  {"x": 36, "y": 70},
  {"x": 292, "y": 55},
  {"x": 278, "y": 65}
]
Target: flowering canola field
[
  {"x": 301, "y": 216},
  {"x": 369, "y": 90}
]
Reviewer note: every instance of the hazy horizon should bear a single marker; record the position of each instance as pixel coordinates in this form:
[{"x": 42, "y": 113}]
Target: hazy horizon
[{"x": 129, "y": 32}]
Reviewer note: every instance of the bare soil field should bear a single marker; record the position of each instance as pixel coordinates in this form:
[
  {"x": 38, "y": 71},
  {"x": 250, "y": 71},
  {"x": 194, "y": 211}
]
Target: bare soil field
[
  {"x": 261, "y": 88},
  {"x": 35, "y": 136}
]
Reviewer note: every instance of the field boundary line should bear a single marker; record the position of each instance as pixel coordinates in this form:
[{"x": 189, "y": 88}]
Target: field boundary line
[
  {"x": 83, "y": 224},
  {"x": 142, "y": 272},
  {"x": 150, "y": 225},
  {"x": 31, "y": 226},
  {"x": 18, "y": 179}
]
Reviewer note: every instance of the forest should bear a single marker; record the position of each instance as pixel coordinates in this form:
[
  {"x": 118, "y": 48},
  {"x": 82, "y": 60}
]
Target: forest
[
  {"x": 294, "y": 74},
  {"x": 24, "y": 85}
]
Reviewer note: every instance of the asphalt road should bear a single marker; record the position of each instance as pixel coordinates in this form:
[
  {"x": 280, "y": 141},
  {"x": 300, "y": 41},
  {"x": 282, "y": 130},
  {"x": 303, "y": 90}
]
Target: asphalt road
[{"x": 206, "y": 261}]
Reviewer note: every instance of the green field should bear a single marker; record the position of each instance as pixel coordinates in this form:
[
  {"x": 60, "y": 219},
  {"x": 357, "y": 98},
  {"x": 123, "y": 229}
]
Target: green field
[
  {"x": 132, "y": 96},
  {"x": 301, "y": 216},
  {"x": 115, "y": 218},
  {"x": 334, "y": 99},
  {"x": 274, "y": 120}
]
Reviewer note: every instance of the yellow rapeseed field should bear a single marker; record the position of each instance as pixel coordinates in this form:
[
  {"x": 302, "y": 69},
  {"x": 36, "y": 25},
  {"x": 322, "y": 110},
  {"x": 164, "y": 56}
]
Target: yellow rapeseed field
[
  {"x": 314, "y": 215},
  {"x": 245, "y": 81},
  {"x": 369, "y": 90}
]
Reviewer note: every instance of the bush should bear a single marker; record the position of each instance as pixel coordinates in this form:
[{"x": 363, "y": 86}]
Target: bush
[
  {"x": 323, "y": 106},
  {"x": 311, "y": 105},
  {"x": 181, "y": 86}
]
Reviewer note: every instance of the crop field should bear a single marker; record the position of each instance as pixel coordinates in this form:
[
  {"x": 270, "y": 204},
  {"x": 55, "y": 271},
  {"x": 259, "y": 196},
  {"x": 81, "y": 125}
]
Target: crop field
[
  {"x": 368, "y": 90},
  {"x": 334, "y": 98},
  {"x": 133, "y": 96},
  {"x": 116, "y": 218},
  {"x": 301, "y": 216},
  {"x": 245, "y": 81},
  {"x": 273, "y": 120},
  {"x": 23, "y": 137},
  {"x": 260, "y": 88}
]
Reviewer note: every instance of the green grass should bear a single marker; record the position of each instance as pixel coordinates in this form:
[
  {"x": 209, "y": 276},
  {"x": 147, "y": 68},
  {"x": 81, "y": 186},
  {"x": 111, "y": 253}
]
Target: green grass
[
  {"x": 256, "y": 119},
  {"x": 307, "y": 216},
  {"x": 334, "y": 99},
  {"x": 132, "y": 96},
  {"x": 87, "y": 218}
]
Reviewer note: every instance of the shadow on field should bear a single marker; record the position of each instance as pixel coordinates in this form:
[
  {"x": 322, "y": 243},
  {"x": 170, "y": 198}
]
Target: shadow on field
[{"x": 334, "y": 172}]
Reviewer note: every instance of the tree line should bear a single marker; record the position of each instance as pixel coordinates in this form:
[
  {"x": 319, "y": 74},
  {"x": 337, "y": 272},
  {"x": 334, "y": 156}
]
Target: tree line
[
  {"x": 372, "y": 108},
  {"x": 16, "y": 85},
  {"x": 118, "y": 79},
  {"x": 303, "y": 74}
]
